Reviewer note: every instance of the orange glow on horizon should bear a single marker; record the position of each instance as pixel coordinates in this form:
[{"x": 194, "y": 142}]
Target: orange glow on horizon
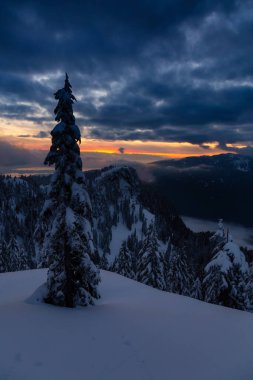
[
  {"x": 136, "y": 147},
  {"x": 22, "y": 134},
  {"x": 143, "y": 153},
  {"x": 132, "y": 148},
  {"x": 237, "y": 146}
]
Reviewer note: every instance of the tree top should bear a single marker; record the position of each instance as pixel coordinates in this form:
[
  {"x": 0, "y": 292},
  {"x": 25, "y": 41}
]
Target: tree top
[{"x": 63, "y": 110}]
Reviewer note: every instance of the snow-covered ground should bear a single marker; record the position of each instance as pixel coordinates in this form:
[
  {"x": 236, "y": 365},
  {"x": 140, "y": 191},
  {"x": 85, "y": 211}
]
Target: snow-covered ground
[
  {"x": 242, "y": 235},
  {"x": 134, "y": 332}
]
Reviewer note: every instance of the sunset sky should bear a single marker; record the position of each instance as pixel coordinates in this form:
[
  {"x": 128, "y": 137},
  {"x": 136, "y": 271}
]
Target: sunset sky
[{"x": 152, "y": 79}]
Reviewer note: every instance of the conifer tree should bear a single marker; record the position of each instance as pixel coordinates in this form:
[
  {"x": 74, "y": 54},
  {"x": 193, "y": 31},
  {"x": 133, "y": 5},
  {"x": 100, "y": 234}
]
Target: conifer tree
[
  {"x": 219, "y": 237},
  {"x": 150, "y": 269},
  {"x": 64, "y": 234},
  {"x": 214, "y": 285},
  {"x": 123, "y": 264},
  {"x": 197, "y": 289},
  {"x": 249, "y": 288},
  {"x": 166, "y": 263},
  {"x": 17, "y": 255},
  {"x": 179, "y": 278},
  {"x": 236, "y": 279},
  {"x": 225, "y": 277},
  {"x": 4, "y": 262}
]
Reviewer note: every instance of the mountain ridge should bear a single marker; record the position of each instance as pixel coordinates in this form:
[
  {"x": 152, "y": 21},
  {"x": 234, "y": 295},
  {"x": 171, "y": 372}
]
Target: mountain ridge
[
  {"x": 221, "y": 161},
  {"x": 208, "y": 187}
]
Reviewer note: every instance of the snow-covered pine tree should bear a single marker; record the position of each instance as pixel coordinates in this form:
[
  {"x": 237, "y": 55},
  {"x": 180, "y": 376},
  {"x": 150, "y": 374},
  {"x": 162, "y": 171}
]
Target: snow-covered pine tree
[
  {"x": 179, "y": 277},
  {"x": 197, "y": 289},
  {"x": 236, "y": 279},
  {"x": 220, "y": 236},
  {"x": 214, "y": 285},
  {"x": 64, "y": 233},
  {"x": 23, "y": 261},
  {"x": 225, "y": 277},
  {"x": 150, "y": 269},
  {"x": 17, "y": 259},
  {"x": 166, "y": 263},
  {"x": 4, "y": 262},
  {"x": 249, "y": 288},
  {"x": 123, "y": 263},
  {"x": 221, "y": 230}
]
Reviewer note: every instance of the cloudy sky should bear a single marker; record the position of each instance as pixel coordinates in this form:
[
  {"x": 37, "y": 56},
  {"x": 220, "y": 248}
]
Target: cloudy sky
[{"x": 152, "y": 78}]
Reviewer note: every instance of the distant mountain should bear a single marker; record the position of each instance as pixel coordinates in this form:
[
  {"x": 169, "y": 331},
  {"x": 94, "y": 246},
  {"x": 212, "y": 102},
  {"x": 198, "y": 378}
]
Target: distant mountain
[
  {"x": 219, "y": 162},
  {"x": 208, "y": 187}
]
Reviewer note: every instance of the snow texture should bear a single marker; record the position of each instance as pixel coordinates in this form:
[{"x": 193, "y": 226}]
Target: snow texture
[
  {"x": 227, "y": 257},
  {"x": 134, "y": 332}
]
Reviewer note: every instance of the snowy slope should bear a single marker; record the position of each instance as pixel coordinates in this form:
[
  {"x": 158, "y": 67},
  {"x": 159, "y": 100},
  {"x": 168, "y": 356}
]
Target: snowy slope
[{"x": 134, "y": 332}]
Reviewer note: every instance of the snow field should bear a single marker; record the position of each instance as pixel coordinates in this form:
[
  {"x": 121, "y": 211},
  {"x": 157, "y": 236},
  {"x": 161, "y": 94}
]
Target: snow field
[{"x": 134, "y": 332}]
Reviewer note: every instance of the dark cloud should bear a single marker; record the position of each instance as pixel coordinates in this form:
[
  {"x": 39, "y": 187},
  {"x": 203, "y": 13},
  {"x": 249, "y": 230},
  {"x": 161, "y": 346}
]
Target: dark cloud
[
  {"x": 204, "y": 146},
  {"x": 166, "y": 70},
  {"x": 40, "y": 135},
  {"x": 246, "y": 151},
  {"x": 10, "y": 155}
]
